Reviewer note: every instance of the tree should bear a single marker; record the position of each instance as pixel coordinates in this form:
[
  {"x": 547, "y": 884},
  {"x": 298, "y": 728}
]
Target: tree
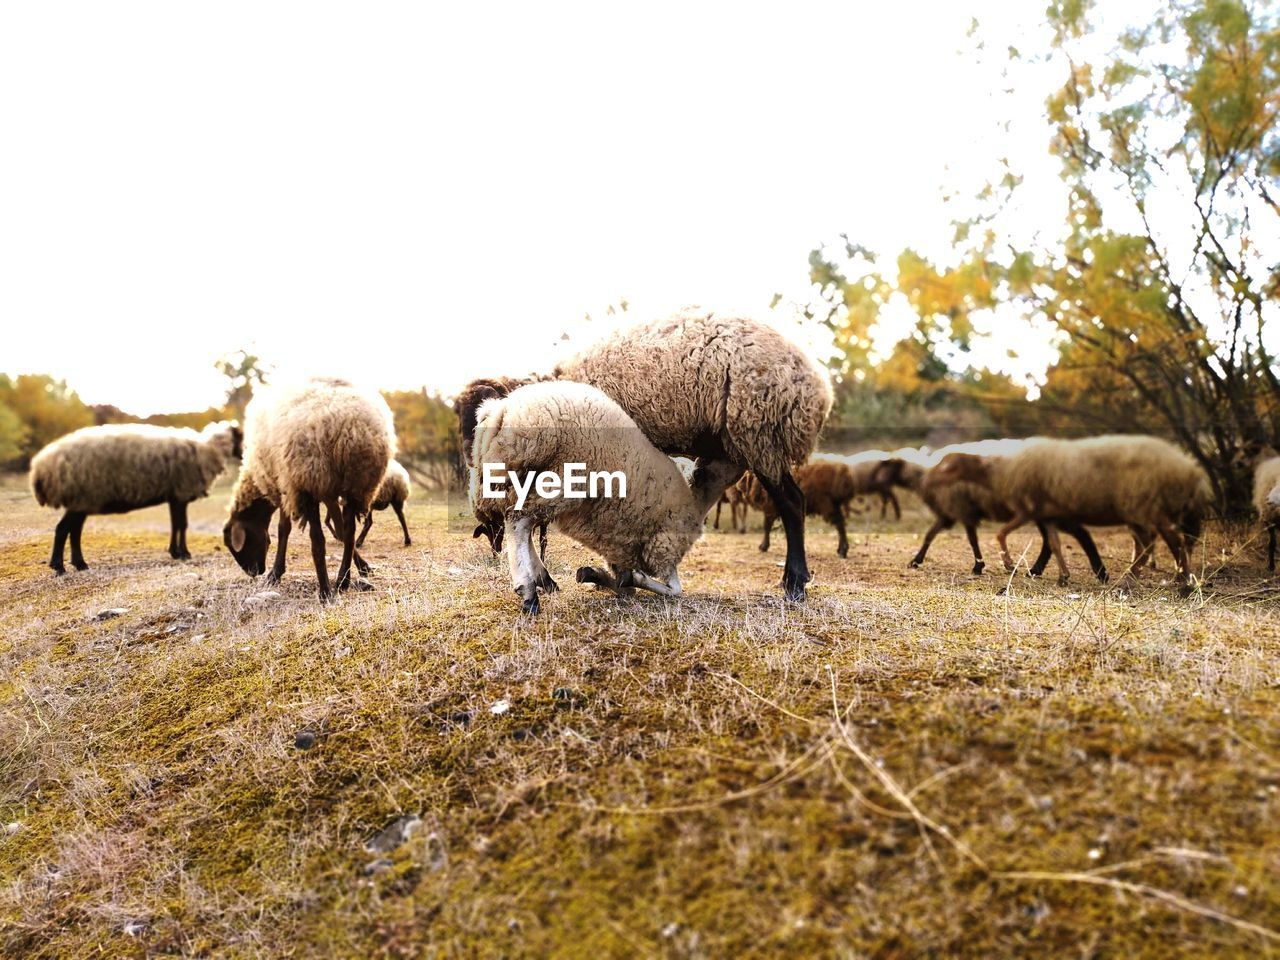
[
  {"x": 427, "y": 433},
  {"x": 245, "y": 371},
  {"x": 13, "y": 435},
  {"x": 1167, "y": 270},
  {"x": 47, "y": 409}
]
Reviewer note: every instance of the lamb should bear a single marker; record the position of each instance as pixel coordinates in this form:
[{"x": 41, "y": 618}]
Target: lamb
[
  {"x": 954, "y": 501},
  {"x": 728, "y": 391},
  {"x": 642, "y": 535},
  {"x": 1136, "y": 481},
  {"x": 320, "y": 442},
  {"x": 121, "y": 467},
  {"x": 1266, "y": 498}
]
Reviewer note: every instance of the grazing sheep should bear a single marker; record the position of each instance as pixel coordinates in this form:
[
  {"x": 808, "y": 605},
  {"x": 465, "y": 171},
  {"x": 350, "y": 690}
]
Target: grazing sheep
[
  {"x": 828, "y": 485},
  {"x": 1266, "y": 498},
  {"x": 320, "y": 442},
  {"x": 542, "y": 427},
  {"x": 121, "y": 467},
  {"x": 734, "y": 497},
  {"x": 392, "y": 492},
  {"x": 728, "y": 391},
  {"x": 955, "y": 501},
  {"x": 1133, "y": 481}
]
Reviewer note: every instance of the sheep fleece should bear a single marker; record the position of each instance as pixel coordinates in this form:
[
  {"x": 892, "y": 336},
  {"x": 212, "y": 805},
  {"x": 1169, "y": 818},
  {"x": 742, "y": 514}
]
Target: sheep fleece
[
  {"x": 738, "y": 380},
  {"x": 394, "y": 487},
  {"x": 119, "y": 467},
  {"x": 1266, "y": 490},
  {"x": 318, "y": 441}
]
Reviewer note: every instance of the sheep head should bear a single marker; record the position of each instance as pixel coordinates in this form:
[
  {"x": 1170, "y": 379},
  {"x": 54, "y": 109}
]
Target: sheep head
[
  {"x": 247, "y": 535},
  {"x": 468, "y": 402}
]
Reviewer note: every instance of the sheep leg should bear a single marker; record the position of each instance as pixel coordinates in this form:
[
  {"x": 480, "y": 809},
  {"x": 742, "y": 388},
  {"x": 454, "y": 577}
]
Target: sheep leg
[
  {"x": 520, "y": 563},
  {"x": 971, "y": 532},
  {"x": 836, "y": 519},
  {"x": 283, "y": 529},
  {"x": 1178, "y": 547},
  {"x": 1046, "y": 552},
  {"x": 1144, "y": 548},
  {"x": 1089, "y": 547},
  {"x": 350, "y": 516},
  {"x": 789, "y": 499},
  {"x": 364, "y": 532},
  {"x": 716, "y": 523},
  {"x": 77, "y": 524},
  {"x": 60, "y": 544},
  {"x": 542, "y": 541},
  {"x": 1055, "y": 543},
  {"x": 178, "y": 531},
  {"x": 642, "y": 580},
  {"x": 547, "y": 584},
  {"x": 938, "y": 526},
  {"x": 329, "y": 521},
  {"x": 399, "y": 509},
  {"x": 311, "y": 516},
  {"x": 769, "y": 518},
  {"x": 897, "y": 507},
  {"x": 1002, "y": 537},
  {"x": 600, "y": 576},
  {"x": 739, "y": 510}
]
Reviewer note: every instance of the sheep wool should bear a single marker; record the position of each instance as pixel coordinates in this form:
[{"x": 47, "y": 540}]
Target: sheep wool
[
  {"x": 543, "y": 426},
  {"x": 394, "y": 487},
  {"x": 315, "y": 442},
  {"x": 120, "y": 467}
]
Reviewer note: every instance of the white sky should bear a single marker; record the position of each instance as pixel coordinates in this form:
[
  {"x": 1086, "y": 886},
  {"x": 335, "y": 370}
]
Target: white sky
[{"x": 413, "y": 194}]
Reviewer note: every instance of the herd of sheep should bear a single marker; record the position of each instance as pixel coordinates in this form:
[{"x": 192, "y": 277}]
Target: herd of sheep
[{"x": 735, "y": 397}]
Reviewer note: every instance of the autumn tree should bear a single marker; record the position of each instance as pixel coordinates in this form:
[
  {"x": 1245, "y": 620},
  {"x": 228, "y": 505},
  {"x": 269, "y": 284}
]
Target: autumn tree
[
  {"x": 245, "y": 371},
  {"x": 46, "y": 409},
  {"x": 1165, "y": 273},
  {"x": 427, "y": 434}
]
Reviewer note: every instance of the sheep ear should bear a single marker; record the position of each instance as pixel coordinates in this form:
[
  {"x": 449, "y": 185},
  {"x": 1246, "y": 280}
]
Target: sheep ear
[
  {"x": 479, "y": 530},
  {"x": 238, "y": 537}
]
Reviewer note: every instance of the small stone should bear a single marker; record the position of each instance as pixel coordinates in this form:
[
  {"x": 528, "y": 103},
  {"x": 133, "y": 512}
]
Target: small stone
[
  {"x": 393, "y": 834},
  {"x": 670, "y": 930},
  {"x": 500, "y": 707},
  {"x": 13, "y": 828},
  {"x": 111, "y": 613},
  {"x": 304, "y": 739},
  {"x": 1240, "y": 891},
  {"x": 513, "y": 924},
  {"x": 1095, "y": 854}
]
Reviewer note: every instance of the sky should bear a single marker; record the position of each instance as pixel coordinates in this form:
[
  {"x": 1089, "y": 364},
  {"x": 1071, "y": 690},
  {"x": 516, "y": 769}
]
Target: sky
[{"x": 416, "y": 194}]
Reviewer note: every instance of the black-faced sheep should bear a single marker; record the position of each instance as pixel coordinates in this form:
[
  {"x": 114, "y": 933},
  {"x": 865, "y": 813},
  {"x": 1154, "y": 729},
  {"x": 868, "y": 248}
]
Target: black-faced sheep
[
  {"x": 1266, "y": 498},
  {"x": 728, "y": 391},
  {"x": 952, "y": 501},
  {"x": 121, "y": 467},
  {"x": 542, "y": 428},
  {"x": 323, "y": 442},
  {"x": 1135, "y": 481}
]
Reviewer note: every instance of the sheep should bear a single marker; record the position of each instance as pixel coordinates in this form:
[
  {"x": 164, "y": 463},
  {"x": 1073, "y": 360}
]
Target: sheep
[
  {"x": 1136, "y": 481},
  {"x": 642, "y": 534},
  {"x": 951, "y": 501},
  {"x": 320, "y": 442},
  {"x": 1266, "y": 498},
  {"x": 734, "y": 497},
  {"x": 121, "y": 467},
  {"x": 724, "y": 390}
]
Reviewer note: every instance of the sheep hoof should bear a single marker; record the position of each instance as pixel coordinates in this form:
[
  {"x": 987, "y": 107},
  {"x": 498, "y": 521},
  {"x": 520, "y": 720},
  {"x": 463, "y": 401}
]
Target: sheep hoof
[
  {"x": 978, "y": 567},
  {"x": 843, "y": 552},
  {"x": 408, "y": 542},
  {"x": 58, "y": 571},
  {"x": 764, "y": 548},
  {"x": 1063, "y": 580},
  {"x": 531, "y": 606},
  {"x": 793, "y": 590},
  {"x": 913, "y": 565},
  {"x": 273, "y": 578},
  {"x": 81, "y": 566}
]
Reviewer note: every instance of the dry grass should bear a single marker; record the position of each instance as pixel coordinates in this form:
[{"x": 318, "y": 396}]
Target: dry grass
[{"x": 911, "y": 763}]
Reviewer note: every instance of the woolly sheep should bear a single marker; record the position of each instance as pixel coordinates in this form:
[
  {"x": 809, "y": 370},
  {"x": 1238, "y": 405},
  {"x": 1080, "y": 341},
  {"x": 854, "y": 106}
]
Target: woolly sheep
[
  {"x": 1266, "y": 498},
  {"x": 392, "y": 492},
  {"x": 1135, "y": 481},
  {"x": 829, "y": 485},
  {"x": 729, "y": 391},
  {"x": 544, "y": 426},
  {"x": 955, "y": 501},
  {"x": 320, "y": 442},
  {"x": 121, "y": 467}
]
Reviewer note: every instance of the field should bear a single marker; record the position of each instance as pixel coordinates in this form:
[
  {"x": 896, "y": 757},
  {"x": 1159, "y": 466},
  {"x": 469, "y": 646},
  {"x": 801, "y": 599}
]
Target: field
[{"x": 914, "y": 762}]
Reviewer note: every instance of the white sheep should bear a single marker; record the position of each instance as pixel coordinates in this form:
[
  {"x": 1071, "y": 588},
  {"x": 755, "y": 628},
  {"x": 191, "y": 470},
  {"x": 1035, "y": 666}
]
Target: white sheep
[
  {"x": 541, "y": 428},
  {"x": 121, "y": 467},
  {"x": 729, "y": 391},
  {"x": 1134, "y": 481},
  {"x": 323, "y": 442},
  {"x": 1266, "y": 499}
]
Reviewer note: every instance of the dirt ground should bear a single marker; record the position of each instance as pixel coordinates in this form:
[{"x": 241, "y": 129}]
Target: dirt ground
[{"x": 914, "y": 762}]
